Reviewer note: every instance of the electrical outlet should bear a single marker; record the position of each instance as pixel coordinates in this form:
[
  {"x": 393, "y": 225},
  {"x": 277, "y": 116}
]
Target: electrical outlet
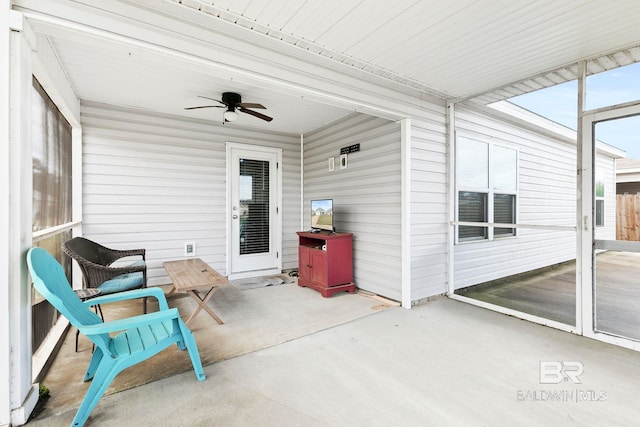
[
  {"x": 343, "y": 161},
  {"x": 189, "y": 248}
]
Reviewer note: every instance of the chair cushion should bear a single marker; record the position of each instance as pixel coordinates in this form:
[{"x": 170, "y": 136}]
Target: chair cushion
[{"x": 120, "y": 283}]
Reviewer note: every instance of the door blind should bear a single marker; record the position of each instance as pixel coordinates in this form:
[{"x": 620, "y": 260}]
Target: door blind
[{"x": 254, "y": 206}]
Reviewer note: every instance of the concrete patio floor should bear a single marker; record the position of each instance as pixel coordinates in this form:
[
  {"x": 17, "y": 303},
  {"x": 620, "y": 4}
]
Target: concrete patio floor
[
  {"x": 254, "y": 319},
  {"x": 440, "y": 363}
]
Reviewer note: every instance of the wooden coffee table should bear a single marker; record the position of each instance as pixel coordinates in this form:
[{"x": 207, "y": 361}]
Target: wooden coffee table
[{"x": 191, "y": 276}]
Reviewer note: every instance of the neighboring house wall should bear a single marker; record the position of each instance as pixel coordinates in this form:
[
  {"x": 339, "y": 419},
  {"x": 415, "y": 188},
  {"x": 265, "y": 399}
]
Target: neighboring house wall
[
  {"x": 429, "y": 207},
  {"x": 546, "y": 196},
  {"x": 366, "y": 195},
  {"x": 157, "y": 181},
  {"x": 628, "y": 188},
  {"x": 628, "y": 176}
]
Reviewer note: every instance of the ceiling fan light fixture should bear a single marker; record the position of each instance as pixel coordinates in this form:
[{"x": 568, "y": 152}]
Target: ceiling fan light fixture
[
  {"x": 233, "y": 103},
  {"x": 230, "y": 116}
]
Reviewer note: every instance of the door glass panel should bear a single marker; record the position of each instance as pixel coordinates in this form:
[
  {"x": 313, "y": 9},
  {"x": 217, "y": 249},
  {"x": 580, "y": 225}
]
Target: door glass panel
[
  {"x": 617, "y": 238},
  {"x": 254, "y": 206}
]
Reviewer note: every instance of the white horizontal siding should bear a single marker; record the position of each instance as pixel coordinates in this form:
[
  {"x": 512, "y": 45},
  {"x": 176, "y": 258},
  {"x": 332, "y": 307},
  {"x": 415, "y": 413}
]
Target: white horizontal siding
[
  {"x": 547, "y": 196},
  {"x": 155, "y": 182},
  {"x": 366, "y": 195},
  {"x": 429, "y": 208}
]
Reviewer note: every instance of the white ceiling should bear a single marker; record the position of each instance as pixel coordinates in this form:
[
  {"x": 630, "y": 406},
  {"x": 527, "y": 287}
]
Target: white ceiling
[
  {"x": 125, "y": 76},
  {"x": 456, "y": 49}
]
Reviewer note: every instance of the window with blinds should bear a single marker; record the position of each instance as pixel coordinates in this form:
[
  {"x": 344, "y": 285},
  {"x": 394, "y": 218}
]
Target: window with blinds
[
  {"x": 254, "y": 206},
  {"x": 472, "y": 207},
  {"x": 486, "y": 184},
  {"x": 504, "y": 212}
]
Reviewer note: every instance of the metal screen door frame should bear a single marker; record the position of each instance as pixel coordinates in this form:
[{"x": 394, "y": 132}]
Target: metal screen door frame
[
  {"x": 589, "y": 243},
  {"x": 266, "y": 260}
]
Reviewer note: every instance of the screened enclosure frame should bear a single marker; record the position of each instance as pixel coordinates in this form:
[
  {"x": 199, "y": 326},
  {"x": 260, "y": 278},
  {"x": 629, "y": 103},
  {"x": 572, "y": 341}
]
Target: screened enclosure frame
[{"x": 589, "y": 242}]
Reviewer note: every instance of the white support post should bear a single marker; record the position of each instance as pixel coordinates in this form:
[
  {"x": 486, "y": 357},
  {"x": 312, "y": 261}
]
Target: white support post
[
  {"x": 302, "y": 211},
  {"x": 405, "y": 149},
  {"x": 451, "y": 128},
  {"x": 23, "y": 394},
  {"x": 5, "y": 224},
  {"x": 76, "y": 195},
  {"x": 584, "y": 221}
]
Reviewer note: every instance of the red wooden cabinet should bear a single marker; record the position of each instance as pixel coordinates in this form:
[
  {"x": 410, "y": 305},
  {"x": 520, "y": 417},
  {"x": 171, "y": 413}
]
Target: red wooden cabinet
[{"x": 325, "y": 262}]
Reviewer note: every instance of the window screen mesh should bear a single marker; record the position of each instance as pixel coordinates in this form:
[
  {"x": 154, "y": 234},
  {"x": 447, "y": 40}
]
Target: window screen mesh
[
  {"x": 51, "y": 145},
  {"x": 51, "y": 151}
]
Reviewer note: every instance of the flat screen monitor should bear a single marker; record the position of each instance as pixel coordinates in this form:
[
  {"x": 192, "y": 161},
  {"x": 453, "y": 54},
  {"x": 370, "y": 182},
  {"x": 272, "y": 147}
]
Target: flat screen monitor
[{"x": 322, "y": 214}]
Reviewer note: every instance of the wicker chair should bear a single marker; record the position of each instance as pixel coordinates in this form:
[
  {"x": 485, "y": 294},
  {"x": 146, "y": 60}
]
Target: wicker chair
[
  {"x": 120, "y": 343},
  {"x": 95, "y": 263}
]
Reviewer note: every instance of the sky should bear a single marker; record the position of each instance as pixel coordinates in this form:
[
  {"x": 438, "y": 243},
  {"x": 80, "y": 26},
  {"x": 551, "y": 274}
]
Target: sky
[{"x": 559, "y": 103}]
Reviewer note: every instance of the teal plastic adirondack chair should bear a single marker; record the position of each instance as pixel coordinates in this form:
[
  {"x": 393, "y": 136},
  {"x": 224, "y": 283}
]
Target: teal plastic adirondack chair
[{"x": 140, "y": 336}]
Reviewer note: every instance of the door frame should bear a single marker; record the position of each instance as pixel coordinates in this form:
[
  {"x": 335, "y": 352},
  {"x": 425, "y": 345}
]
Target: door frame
[
  {"x": 230, "y": 146},
  {"x": 586, "y": 226}
]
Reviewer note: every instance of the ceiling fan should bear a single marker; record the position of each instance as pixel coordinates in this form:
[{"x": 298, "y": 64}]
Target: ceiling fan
[{"x": 233, "y": 102}]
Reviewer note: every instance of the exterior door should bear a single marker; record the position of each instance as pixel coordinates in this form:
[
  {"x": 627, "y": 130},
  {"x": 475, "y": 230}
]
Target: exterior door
[
  {"x": 254, "y": 183},
  {"x": 612, "y": 296}
]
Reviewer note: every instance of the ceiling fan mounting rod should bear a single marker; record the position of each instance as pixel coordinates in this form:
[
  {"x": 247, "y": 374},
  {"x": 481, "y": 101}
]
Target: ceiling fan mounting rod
[{"x": 231, "y": 99}]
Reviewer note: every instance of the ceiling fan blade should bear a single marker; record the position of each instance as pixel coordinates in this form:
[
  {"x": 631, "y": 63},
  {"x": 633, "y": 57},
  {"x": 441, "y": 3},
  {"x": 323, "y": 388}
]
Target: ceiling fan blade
[
  {"x": 205, "y": 106},
  {"x": 250, "y": 105},
  {"x": 213, "y": 99},
  {"x": 256, "y": 114}
]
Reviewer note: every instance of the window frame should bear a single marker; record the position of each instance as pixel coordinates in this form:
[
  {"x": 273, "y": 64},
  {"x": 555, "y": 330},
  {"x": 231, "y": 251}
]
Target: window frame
[
  {"x": 489, "y": 191},
  {"x": 599, "y": 173}
]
